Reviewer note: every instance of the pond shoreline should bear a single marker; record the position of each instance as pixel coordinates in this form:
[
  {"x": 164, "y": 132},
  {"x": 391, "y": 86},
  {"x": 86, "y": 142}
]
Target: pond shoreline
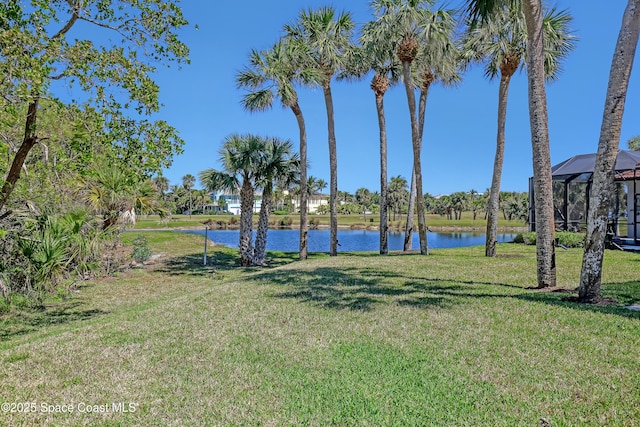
[{"x": 447, "y": 228}]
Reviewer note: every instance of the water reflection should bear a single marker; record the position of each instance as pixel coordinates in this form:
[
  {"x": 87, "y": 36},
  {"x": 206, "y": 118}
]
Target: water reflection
[{"x": 353, "y": 240}]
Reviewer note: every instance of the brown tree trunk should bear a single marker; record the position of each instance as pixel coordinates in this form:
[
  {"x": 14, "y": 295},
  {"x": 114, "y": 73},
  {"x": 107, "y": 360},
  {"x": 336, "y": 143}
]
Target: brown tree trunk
[
  {"x": 408, "y": 228},
  {"x": 494, "y": 195},
  {"x": 384, "y": 225},
  {"x": 417, "y": 165},
  {"x": 260, "y": 250},
  {"x": 246, "y": 223},
  {"x": 422, "y": 109},
  {"x": 538, "y": 117},
  {"x": 304, "y": 223},
  {"x": 30, "y": 139},
  {"x": 602, "y": 187},
  {"x": 333, "y": 166}
]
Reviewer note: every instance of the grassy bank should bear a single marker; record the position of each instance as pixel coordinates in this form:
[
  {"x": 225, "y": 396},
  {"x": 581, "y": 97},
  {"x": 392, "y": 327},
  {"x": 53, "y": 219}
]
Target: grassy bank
[
  {"x": 449, "y": 339},
  {"x": 435, "y": 222}
]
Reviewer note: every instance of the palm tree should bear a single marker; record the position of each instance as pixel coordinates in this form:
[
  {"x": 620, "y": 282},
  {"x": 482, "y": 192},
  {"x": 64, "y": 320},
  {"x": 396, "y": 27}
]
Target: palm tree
[
  {"x": 240, "y": 156},
  {"x": 363, "y": 197},
  {"x": 438, "y": 61},
  {"x": 188, "y": 182},
  {"x": 408, "y": 22},
  {"x": 162, "y": 185},
  {"x": 377, "y": 53},
  {"x": 500, "y": 42},
  {"x": 539, "y": 122},
  {"x": 273, "y": 74},
  {"x": 328, "y": 38},
  {"x": 398, "y": 195},
  {"x": 115, "y": 195},
  {"x": 278, "y": 164},
  {"x": 201, "y": 199},
  {"x": 602, "y": 187}
]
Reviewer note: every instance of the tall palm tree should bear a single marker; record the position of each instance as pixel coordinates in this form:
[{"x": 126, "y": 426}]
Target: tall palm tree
[
  {"x": 273, "y": 74},
  {"x": 500, "y": 42},
  {"x": 408, "y": 22},
  {"x": 328, "y": 37},
  {"x": 188, "y": 181},
  {"x": 378, "y": 54},
  {"x": 278, "y": 163},
  {"x": 539, "y": 123},
  {"x": 437, "y": 62},
  {"x": 398, "y": 195},
  {"x": 240, "y": 156},
  {"x": 363, "y": 197},
  {"x": 162, "y": 185},
  {"x": 602, "y": 187}
]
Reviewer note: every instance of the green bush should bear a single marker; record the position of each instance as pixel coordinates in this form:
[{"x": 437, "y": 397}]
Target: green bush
[
  {"x": 286, "y": 221},
  {"x": 141, "y": 251},
  {"x": 280, "y": 212},
  {"x": 570, "y": 239},
  {"x": 564, "y": 238}
]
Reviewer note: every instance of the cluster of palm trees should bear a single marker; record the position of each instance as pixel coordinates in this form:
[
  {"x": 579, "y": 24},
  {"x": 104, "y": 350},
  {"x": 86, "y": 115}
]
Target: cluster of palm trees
[
  {"x": 251, "y": 162},
  {"x": 409, "y": 41},
  {"x": 414, "y": 42}
]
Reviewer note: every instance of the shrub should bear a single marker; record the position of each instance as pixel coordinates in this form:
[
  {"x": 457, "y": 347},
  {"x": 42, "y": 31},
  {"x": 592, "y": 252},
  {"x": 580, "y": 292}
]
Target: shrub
[
  {"x": 286, "y": 221},
  {"x": 233, "y": 220},
  {"x": 280, "y": 212},
  {"x": 564, "y": 238},
  {"x": 570, "y": 239},
  {"x": 141, "y": 251}
]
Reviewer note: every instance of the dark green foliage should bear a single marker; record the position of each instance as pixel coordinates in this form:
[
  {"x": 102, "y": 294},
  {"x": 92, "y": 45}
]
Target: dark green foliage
[
  {"x": 564, "y": 238},
  {"x": 141, "y": 250}
]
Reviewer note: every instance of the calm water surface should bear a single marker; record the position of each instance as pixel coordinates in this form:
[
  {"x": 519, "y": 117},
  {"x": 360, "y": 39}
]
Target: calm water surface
[{"x": 352, "y": 240}]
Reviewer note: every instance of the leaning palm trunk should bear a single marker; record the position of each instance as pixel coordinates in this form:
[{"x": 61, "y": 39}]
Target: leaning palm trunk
[
  {"x": 415, "y": 139},
  {"x": 304, "y": 223},
  {"x": 380, "y": 84},
  {"x": 333, "y": 166},
  {"x": 246, "y": 223},
  {"x": 494, "y": 196},
  {"x": 408, "y": 228},
  {"x": 538, "y": 117},
  {"x": 260, "y": 250},
  {"x": 602, "y": 187},
  {"x": 422, "y": 109}
]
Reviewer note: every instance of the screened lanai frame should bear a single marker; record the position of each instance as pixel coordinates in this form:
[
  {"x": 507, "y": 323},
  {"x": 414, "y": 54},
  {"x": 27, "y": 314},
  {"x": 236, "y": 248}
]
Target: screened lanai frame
[{"x": 572, "y": 180}]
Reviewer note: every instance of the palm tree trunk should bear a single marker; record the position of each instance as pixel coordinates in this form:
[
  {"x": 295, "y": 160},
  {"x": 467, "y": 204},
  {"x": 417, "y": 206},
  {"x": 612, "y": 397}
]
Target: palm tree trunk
[
  {"x": 29, "y": 141},
  {"x": 384, "y": 226},
  {"x": 417, "y": 166},
  {"x": 494, "y": 195},
  {"x": 602, "y": 187},
  {"x": 333, "y": 166},
  {"x": 422, "y": 109},
  {"x": 260, "y": 251},
  {"x": 408, "y": 228},
  {"x": 538, "y": 117},
  {"x": 246, "y": 223},
  {"x": 304, "y": 223}
]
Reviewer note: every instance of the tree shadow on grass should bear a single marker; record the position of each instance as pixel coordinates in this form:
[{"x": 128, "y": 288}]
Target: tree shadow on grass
[
  {"x": 193, "y": 264},
  {"x": 355, "y": 289},
  {"x": 31, "y": 320},
  {"x": 365, "y": 288},
  {"x": 616, "y": 297}
]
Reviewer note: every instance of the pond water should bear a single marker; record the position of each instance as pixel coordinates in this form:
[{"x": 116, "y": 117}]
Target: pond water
[{"x": 352, "y": 240}]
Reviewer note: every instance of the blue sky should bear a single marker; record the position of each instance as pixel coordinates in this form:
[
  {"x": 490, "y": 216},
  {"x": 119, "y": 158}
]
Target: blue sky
[{"x": 202, "y": 102}]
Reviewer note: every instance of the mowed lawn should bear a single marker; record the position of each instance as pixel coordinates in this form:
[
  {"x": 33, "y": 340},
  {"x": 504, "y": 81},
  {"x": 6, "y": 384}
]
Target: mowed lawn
[{"x": 451, "y": 339}]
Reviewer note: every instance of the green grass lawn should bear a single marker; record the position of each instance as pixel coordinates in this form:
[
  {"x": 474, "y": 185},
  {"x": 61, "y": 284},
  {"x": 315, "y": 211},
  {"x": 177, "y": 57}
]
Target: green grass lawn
[{"x": 451, "y": 339}]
